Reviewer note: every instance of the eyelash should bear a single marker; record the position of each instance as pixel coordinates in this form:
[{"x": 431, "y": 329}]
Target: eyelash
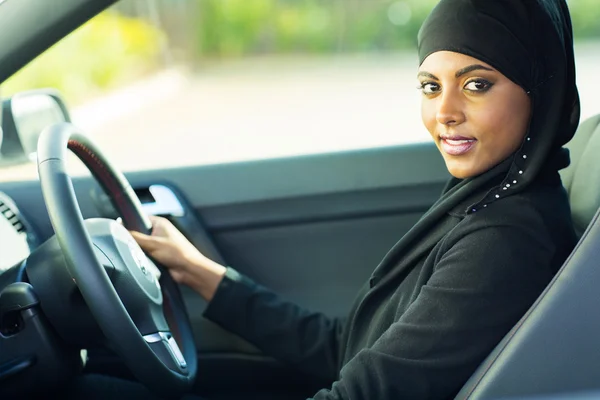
[{"x": 487, "y": 86}]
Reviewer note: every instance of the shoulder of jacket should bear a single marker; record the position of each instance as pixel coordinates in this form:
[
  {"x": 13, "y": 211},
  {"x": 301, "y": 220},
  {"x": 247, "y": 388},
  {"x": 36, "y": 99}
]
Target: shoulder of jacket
[{"x": 515, "y": 213}]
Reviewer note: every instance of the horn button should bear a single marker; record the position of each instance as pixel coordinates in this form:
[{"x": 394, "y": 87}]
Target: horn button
[{"x": 135, "y": 278}]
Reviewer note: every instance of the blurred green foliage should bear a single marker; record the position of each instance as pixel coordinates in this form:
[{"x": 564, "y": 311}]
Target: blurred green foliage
[
  {"x": 585, "y": 15},
  {"x": 121, "y": 44},
  {"x": 232, "y": 28},
  {"x": 106, "y": 51}
]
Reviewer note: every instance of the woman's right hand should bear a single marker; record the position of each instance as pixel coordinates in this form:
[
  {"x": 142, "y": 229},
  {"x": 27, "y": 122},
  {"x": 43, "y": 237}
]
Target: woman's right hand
[{"x": 169, "y": 247}]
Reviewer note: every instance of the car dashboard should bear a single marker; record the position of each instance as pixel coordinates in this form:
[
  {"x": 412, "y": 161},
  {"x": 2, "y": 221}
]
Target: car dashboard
[{"x": 17, "y": 236}]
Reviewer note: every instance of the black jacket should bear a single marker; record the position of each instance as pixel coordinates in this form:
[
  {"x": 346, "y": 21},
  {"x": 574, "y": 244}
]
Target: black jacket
[
  {"x": 457, "y": 282},
  {"x": 420, "y": 329}
]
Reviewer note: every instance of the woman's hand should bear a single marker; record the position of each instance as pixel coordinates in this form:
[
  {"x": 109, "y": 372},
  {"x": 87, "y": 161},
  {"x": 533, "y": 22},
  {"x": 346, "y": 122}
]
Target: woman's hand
[{"x": 186, "y": 264}]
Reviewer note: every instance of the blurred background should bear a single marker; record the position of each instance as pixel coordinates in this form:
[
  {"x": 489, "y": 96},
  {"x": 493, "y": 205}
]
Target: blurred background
[{"x": 168, "y": 83}]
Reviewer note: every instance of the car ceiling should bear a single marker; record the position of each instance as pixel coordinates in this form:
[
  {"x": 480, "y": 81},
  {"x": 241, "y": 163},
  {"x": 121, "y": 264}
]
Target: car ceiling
[{"x": 29, "y": 27}]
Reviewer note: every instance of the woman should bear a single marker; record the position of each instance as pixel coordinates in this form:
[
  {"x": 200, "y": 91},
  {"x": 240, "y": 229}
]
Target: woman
[{"x": 500, "y": 101}]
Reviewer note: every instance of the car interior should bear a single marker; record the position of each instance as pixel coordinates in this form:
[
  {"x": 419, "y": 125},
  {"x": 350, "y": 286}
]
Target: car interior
[
  {"x": 551, "y": 350},
  {"x": 313, "y": 239}
]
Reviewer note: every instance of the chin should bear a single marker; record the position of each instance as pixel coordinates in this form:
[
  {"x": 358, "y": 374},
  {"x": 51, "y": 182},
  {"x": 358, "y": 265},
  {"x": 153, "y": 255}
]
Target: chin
[
  {"x": 460, "y": 176},
  {"x": 460, "y": 171}
]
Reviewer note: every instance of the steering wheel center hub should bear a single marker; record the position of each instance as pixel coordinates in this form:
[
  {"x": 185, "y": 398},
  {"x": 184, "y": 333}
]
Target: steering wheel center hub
[{"x": 135, "y": 263}]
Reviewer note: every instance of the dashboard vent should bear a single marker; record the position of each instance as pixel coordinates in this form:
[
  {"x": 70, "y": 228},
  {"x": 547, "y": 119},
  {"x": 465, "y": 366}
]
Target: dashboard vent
[{"x": 12, "y": 217}]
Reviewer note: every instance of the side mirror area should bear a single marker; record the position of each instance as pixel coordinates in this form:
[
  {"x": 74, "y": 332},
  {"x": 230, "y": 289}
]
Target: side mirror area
[{"x": 24, "y": 117}]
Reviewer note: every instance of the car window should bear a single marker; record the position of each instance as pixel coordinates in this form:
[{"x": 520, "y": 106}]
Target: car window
[{"x": 190, "y": 82}]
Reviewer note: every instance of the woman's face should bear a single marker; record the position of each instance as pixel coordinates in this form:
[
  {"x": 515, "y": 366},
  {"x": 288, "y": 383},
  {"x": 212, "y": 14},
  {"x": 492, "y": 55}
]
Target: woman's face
[{"x": 476, "y": 116}]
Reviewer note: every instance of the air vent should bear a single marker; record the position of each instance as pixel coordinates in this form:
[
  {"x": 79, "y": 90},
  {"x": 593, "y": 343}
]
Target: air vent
[{"x": 12, "y": 217}]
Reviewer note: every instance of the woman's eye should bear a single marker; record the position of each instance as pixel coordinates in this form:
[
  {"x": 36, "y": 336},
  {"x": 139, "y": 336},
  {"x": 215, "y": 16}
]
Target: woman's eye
[
  {"x": 478, "y": 85},
  {"x": 429, "y": 87}
]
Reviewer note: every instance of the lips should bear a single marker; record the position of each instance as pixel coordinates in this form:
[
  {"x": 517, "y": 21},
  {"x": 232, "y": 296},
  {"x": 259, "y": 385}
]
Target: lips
[{"x": 456, "y": 145}]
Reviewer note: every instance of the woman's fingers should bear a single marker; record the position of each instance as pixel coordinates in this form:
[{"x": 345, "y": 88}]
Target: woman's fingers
[
  {"x": 146, "y": 242},
  {"x": 154, "y": 219}
]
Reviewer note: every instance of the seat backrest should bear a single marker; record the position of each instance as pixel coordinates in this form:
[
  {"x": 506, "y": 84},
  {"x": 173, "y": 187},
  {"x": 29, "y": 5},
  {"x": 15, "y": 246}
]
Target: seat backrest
[
  {"x": 582, "y": 177},
  {"x": 555, "y": 347}
]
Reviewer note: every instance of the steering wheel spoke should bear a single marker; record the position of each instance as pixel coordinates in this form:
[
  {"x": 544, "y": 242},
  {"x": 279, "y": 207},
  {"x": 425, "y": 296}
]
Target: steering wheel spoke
[{"x": 165, "y": 347}]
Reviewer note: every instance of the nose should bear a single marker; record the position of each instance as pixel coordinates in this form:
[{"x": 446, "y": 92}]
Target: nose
[{"x": 449, "y": 109}]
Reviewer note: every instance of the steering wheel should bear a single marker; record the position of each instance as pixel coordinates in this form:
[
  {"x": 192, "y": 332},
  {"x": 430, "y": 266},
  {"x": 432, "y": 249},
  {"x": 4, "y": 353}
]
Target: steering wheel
[{"x": 141, "y": 311}]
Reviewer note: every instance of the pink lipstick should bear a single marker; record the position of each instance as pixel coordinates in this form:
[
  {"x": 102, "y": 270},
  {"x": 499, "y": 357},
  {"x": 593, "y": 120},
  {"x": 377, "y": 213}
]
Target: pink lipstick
[{"x": 455, "y": 145}]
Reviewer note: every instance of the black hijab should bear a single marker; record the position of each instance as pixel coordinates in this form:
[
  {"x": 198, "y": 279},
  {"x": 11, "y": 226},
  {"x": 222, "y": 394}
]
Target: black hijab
[{"x": 531, "y": 43}]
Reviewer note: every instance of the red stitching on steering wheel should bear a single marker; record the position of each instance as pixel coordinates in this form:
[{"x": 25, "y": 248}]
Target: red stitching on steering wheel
[{"x": 98, "y": 168}]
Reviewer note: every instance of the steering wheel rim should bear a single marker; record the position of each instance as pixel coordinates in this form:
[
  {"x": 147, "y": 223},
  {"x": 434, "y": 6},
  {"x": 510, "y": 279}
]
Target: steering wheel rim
[{"x": 139, "y": 352}]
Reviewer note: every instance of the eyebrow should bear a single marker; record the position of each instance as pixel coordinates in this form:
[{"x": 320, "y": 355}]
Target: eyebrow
[
  {"x": 471, "y": 68},
  {"x": 427, "y": 75},
  {"x": 458, "y": 73}
]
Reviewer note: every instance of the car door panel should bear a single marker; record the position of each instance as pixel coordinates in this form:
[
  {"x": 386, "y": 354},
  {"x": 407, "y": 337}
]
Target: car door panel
[{"x": 312, "y": 228}]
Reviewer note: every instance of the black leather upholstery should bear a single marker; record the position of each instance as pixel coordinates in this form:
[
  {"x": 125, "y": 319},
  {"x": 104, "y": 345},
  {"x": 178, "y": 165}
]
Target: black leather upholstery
[{"x": 555, "y": 348}]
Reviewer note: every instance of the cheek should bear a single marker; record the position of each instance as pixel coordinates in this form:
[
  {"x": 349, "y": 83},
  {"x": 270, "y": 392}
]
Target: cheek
[
  {"x": 428, "y": 115},
  {"x": 505, "y": 122}
]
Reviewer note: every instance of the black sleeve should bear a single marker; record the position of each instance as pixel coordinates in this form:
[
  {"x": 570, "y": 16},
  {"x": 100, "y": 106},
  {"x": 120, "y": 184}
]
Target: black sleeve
[
  {"x": 307, "y": 340},
  {"x": 480, "y": 288}
]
